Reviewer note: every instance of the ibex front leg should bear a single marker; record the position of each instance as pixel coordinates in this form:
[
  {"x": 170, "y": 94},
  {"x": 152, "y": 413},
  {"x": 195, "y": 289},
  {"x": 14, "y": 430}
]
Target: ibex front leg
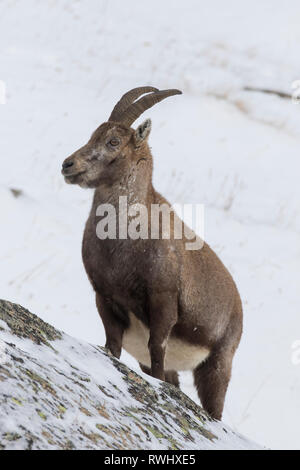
[
  {"x": 163, "y": 316},
  {"x": 114, "y": 329}
]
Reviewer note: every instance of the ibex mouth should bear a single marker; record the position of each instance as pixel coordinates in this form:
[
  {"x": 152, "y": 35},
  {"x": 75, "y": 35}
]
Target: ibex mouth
[{"x": 73, "y": 178}]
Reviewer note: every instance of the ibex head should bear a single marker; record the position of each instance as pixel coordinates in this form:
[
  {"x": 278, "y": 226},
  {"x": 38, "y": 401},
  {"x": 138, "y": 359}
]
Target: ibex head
[{"x": 114, "y": 144}]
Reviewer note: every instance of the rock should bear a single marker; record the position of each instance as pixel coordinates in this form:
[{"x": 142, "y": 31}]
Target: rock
[
  {"x": 16, "y": 192},
  {"x": 57, "y": 392}
]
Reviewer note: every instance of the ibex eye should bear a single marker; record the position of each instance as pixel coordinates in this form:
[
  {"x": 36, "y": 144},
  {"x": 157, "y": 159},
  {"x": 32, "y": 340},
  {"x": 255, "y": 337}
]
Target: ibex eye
[{"x": 114, "y": 142}]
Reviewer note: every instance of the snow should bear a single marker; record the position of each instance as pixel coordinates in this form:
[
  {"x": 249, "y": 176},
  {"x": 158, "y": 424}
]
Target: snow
[
  {"x": 61, "y": 393},
  {"x": 65, "y": 65}
]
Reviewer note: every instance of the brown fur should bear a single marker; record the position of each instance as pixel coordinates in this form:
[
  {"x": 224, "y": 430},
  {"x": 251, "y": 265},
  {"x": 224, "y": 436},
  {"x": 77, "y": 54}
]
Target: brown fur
[{"x": 175, "y": 293}]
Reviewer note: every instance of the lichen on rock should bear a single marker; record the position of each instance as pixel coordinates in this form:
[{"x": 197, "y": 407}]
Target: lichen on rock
[
  {"x": 26, "y": 325},
  {"x": 57, "y": 392}
]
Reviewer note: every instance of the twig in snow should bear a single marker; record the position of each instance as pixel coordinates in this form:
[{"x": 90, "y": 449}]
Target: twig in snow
[{"x": 281, "y": 94}]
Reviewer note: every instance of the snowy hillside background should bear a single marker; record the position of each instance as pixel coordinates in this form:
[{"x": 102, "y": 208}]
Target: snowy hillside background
[{"x": 65, "y": 64}]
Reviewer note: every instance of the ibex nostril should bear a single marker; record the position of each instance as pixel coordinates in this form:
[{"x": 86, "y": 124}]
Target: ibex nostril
[{"x": 67, "y": 165}]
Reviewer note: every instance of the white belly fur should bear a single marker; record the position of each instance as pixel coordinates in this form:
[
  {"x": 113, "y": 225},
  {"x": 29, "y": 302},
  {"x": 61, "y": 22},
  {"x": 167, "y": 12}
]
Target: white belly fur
[{"x": 180, "y": 355}]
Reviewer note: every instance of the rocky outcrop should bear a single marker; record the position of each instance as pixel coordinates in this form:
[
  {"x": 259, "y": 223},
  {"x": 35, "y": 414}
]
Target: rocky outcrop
[{"x": 57, "y": 392}]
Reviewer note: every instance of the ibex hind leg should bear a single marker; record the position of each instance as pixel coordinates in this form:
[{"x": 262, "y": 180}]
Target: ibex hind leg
[
  {"x": 211, "y": 380},
  {"x": 213, "y": 375},
  {"x": 171, "y": 376}
]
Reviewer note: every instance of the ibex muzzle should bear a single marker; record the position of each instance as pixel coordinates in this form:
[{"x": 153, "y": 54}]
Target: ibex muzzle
[{"x": 172, "y": 309}]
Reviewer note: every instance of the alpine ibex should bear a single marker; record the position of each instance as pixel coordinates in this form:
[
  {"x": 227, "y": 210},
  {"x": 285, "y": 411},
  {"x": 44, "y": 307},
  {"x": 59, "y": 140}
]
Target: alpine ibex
[{"x": 173, "y": 309}]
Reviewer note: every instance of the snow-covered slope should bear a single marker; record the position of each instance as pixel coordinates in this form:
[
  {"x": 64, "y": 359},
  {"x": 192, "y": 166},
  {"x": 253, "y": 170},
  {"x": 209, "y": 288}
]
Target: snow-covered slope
[
  {"x": 61, "y": 393},
  {"x": 65, "y": 64}
]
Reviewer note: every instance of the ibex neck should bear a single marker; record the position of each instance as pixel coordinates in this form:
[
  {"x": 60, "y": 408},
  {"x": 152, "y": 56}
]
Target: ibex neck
[{"x": 136, "y": 186}]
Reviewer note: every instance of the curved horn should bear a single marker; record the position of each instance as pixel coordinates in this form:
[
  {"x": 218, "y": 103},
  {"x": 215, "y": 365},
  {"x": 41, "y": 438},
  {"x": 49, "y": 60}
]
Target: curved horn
[
  {"x": 136, "y": 109},
  {"x": 127, "y": 100}
]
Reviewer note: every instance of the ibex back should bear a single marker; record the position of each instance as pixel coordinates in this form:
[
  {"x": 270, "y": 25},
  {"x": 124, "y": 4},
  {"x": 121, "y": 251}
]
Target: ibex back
[{"x": 173, "y": 309}]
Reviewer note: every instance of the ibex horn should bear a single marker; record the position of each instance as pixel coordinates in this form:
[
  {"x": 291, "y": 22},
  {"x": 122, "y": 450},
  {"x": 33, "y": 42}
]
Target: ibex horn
[
  {"x": 127, "y": 100},
  {"x": 136, "y": 109}
]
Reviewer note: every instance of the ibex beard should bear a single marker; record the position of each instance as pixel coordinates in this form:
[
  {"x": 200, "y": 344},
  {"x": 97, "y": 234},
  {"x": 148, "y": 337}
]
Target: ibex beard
[{"x": 173, "y": 309}]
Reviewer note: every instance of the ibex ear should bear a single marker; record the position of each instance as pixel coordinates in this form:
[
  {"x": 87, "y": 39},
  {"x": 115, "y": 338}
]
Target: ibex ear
[{"x": 142, "y": 132}]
